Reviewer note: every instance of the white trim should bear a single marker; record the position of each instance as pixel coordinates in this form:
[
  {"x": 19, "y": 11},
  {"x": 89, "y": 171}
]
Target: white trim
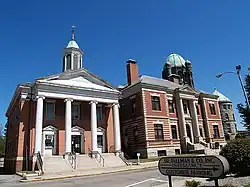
[
  {"x": 204, "y": 98},
  {"x": 211, "y": 102},
  {"x": 186, "y": 96},
  {"x": 155, "y": 94},
  {"x": 163, "y": 117},
  {"x": 74, "y": 97},
  {"x": 158, "y": 122},
  {"x": 150, "y": 90}
]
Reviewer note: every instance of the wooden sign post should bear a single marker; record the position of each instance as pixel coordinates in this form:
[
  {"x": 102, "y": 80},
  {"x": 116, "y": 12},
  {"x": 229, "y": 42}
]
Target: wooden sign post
[{"x": 212, "y": 167}]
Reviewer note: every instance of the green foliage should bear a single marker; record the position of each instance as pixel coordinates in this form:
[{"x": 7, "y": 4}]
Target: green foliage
[
  {"x": 237, "y": 152},
  {"x": 244, "y": 112},
  {"x": 248, "y": 185},
  {"x": 192, "y": 183}
]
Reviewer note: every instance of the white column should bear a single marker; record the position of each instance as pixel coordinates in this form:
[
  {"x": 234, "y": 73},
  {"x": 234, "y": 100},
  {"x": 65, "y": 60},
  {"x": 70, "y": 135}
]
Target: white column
[
  {"x": 181, "y": 118},
  {"x": 68, "y": 121},
  {"x": 116, "y": 121},
  {"x": 65, "y": 63},
  {"x": 72, "y": 60},
  {"x": 93, "y": 126},
  {"x": 39, "y": 124},
  {"x": 195, "y": 123}
]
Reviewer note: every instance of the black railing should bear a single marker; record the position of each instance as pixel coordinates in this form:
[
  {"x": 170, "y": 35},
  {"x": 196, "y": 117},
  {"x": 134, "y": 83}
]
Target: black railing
[{"x": 39, "y": 163}]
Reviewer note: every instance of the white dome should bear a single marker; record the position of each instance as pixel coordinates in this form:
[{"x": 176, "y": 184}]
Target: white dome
[{"x": 72, "y": 44}]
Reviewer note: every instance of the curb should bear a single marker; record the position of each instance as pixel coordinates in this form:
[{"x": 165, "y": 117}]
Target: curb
[{"x": 81, "y": 175}]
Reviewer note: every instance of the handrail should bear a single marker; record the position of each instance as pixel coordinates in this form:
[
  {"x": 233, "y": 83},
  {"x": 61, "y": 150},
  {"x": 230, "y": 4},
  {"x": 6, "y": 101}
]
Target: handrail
[
  {"x": 99, "y": 158},
  {"x": 124, "y": 159},
  {"x": 72, "y": 159},
  {"x": 40, "y": 163}
]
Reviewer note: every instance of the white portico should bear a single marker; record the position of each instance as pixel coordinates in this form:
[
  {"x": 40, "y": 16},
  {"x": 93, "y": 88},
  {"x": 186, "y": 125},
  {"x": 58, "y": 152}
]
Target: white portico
[{"x": 75, "y": 85}]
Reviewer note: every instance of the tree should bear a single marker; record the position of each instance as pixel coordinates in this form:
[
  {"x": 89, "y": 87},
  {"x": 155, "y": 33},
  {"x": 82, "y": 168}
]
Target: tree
[{"x": 242, "y": 108}]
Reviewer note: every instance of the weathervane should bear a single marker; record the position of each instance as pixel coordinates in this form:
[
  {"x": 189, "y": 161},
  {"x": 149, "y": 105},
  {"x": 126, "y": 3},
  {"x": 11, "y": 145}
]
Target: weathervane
[{"x": 73, "y": 32}]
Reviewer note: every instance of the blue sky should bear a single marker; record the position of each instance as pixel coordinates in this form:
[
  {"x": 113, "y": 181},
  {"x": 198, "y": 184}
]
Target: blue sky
[{"x": 213, "y": 35}]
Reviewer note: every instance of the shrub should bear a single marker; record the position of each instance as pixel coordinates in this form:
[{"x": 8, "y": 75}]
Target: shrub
[
  {"x": 237, "y": 152},
  {"x": 192, "y": 183}
]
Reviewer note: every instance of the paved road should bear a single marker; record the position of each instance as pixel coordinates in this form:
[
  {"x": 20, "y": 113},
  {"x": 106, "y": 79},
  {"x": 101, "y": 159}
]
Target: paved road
[{"x": 145, "y": 178}]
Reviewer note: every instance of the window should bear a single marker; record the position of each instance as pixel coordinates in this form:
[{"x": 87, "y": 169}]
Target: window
[
  {"x": 156, "y": 103},
  {"x": 68, "y": 61},
  {"x": 226, "y": 116},
  {"x": 200, "y": 128},
  {"x": 174, "y": 132},
  {"x": 185, "y": 107},
  {"x": 212, "y": 109},
  {"x": 49, "y": 140},
  {"x": 75, "y": 111},
  {"x": 50, "y": 110},
  {"x": 99, "y": 113},
  {"x": 197, "y": 109},
  {"x": 229, "y": 128},
  {"x": 162, "y": 153},
  {"x": 170, "y": 106},
  {"x": 75, "y": 62},
  {"x": 135, "y": 133},
  {"x": 177, "y": 151},
  {"x": 229, "y": 106},
  {"x": 133, "y": 105},
  {"x": 225, "y": 107},
  {"x": 158, "y": 131},
  {"x": 233, "y": 117},
  {"x": 216, "y": 131}
]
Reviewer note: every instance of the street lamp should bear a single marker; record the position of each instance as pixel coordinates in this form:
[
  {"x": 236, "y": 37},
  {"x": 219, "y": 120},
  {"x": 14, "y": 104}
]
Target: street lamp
[{"x": 238, "y": 68}]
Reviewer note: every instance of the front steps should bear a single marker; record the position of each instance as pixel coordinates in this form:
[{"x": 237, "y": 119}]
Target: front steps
[
  {"x": 199, "y": 148},
  {"x": 110, "y": 160},
  {"x": 56, "y": 164}
]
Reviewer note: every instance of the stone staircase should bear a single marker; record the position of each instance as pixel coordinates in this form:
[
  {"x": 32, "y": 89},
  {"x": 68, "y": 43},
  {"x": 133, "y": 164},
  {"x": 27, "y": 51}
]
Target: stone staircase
[
  {"x": 56, "y": 164},
  {"x": 85, "y": 162},
  {"x": 110, "y": 160}
]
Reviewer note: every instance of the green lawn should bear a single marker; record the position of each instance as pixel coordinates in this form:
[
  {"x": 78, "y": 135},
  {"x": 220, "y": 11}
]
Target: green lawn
[{"x": 248, "y": 185}]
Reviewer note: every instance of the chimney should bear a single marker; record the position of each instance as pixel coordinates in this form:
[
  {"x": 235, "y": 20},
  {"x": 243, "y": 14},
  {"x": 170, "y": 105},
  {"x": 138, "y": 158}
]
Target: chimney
[{"x": 132, "y": 71}]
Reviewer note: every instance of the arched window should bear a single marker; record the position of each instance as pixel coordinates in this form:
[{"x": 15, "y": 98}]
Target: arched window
[
  {"x": 226, "y": 116},
  {"x": 68, "y": 64},
  {"x": 75, "y": 63}
]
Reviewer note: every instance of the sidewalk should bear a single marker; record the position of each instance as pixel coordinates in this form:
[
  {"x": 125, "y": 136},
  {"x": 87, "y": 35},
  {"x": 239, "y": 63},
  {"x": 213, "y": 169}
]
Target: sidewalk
[
  {"x": 89, "y": 172},
  {"x": 177, "y": 182}
]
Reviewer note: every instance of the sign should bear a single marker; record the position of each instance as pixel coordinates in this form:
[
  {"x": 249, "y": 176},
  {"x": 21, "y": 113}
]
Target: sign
[
  {"x": 138, "y": 154},
  {"x": 194, "y": 166}
]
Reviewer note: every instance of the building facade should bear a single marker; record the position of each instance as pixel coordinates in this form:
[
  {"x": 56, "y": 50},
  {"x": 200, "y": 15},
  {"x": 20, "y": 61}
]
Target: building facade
[
  {"x": 72, "y": 111},
  {"x": 227, "y": 115},
  {"x": 168, "y": 116}
]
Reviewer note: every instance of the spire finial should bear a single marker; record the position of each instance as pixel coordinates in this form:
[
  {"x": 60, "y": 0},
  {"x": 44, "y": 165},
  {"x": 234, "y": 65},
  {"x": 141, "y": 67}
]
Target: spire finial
[{"x": 73, "y": 32}]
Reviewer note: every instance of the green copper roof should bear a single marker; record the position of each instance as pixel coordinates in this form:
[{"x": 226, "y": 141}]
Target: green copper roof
[
  {"x": 175, "y": 60},
  {"x": 222, "y": 97}
]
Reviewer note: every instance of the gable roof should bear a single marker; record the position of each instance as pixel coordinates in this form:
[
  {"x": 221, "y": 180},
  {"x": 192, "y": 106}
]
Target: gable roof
[{"x": 78, "y": 78}]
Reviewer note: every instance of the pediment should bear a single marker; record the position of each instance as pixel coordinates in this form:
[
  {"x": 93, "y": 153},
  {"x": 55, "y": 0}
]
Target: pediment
[
  {"x": 50, "y": 128},
  {"x": 78, "y": 78},
  {"x": 187, "y": 88},
  {"x": 100, "y": 129},
  {"x": 77, "y": 129}
]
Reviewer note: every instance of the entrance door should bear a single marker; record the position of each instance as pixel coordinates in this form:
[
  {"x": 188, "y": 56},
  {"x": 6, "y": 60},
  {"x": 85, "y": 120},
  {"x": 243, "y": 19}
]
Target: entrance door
[
  {"x": 76, "y": 143},
  {"x": 100, "y": 143}
]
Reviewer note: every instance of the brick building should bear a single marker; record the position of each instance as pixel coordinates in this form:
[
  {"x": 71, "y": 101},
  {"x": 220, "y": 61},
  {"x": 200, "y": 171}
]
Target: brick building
[
  {"x": 72, "y": 111},
  {"x": 227, "y": 115},
  {"x": 167, "y": 116}
]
